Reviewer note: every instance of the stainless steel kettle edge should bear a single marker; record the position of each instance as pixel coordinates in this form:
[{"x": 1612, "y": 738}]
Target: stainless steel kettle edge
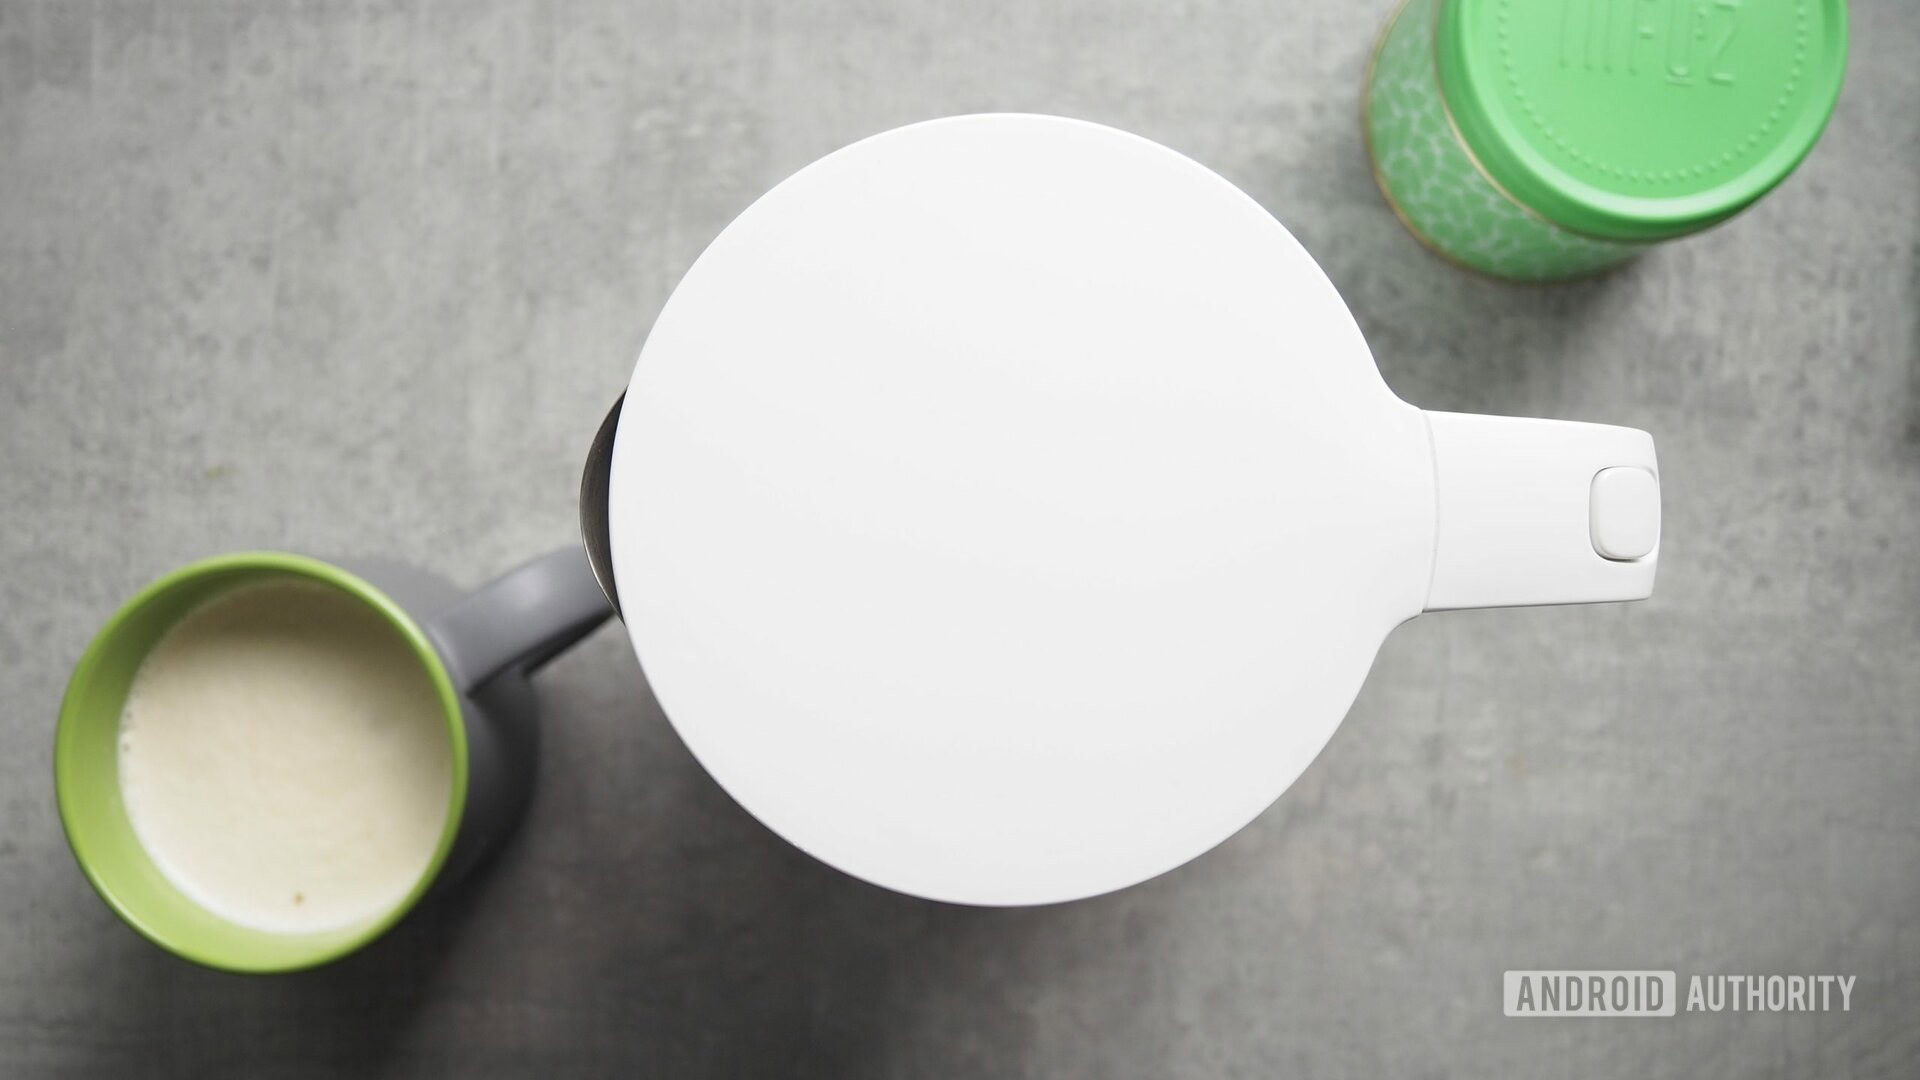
[{"x": 594, "y": 486}]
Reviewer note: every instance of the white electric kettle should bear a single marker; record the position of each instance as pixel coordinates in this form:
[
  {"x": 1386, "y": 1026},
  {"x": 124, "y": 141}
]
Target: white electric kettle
[{"x": 1005, "y": 509}]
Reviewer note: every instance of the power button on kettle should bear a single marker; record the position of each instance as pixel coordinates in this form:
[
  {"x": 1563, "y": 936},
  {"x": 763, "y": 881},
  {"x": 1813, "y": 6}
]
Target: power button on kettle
[{"x": 1624, "y": 514}]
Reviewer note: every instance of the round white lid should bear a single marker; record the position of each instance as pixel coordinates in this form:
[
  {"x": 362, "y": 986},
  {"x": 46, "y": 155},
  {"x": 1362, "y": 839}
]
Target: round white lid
[{"x": 1006, "y": 509}]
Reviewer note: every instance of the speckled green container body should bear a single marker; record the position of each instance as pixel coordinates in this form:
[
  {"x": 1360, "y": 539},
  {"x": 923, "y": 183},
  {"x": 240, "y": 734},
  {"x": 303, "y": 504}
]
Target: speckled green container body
[{"x": 1435, "y": 187}]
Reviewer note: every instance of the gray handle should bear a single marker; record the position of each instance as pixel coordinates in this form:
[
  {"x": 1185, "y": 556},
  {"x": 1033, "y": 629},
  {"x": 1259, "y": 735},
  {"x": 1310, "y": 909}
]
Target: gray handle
[{"x": 524, "y": 617}]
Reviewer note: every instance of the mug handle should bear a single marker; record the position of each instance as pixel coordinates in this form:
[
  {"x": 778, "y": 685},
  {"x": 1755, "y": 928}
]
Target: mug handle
[
  {"x": 1541, "y": 512},
  {"x": 524, "y": 617}
]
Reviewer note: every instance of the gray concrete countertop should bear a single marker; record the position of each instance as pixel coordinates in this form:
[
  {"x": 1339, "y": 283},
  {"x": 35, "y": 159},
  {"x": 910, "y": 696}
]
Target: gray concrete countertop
[{"x": 361, "y": 279}]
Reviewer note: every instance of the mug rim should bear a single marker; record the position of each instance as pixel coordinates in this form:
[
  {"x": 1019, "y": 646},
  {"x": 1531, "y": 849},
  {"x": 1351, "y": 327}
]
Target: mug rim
[{"x": 85, "y": 846}]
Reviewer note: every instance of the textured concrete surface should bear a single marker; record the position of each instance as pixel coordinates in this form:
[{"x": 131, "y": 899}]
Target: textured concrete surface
[{"x": 361, "y": 278}]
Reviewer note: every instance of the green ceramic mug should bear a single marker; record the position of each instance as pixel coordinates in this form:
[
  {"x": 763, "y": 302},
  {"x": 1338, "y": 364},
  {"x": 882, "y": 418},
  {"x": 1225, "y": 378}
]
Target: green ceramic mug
[
  {"x": 476, "y": 650},
  {"x": 1542, "y": 139}
]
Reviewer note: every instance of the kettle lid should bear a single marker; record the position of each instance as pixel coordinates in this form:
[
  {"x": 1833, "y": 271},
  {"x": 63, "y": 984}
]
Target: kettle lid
[{"x": 1006, "y": 509}]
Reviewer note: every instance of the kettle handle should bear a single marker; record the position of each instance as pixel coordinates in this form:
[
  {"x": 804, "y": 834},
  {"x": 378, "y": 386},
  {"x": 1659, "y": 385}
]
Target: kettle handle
[{"x": 1541, "y": 512}]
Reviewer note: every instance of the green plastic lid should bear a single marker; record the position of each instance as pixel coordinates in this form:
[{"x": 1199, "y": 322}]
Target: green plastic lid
[{"x": 1640, "y": 119}]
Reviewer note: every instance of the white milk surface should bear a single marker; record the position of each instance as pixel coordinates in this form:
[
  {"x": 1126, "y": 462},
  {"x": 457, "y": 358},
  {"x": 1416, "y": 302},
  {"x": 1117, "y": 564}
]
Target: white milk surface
[{"x": 284, "y": 758}]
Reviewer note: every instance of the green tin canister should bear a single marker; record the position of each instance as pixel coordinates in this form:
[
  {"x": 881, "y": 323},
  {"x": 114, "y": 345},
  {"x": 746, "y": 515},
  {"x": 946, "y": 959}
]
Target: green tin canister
[{"x": 1543, "y": 139}]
